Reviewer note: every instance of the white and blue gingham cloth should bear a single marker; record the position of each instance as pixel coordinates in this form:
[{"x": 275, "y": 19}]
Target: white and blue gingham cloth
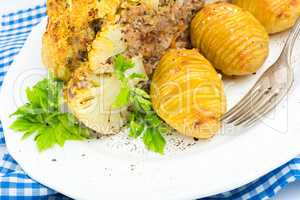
[{"x": 15, "y": 184}]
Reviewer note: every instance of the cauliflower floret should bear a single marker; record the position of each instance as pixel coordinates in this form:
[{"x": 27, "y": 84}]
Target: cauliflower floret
[
  {"x": 107, "y": 44},
  {"x": 108, "y": 7},
  {"x": 90, "y": 97},
  {"x": 138, "y": 68}
]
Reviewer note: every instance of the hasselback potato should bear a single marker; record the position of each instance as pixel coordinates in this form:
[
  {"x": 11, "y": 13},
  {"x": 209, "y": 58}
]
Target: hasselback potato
[
  {"x": 188, "y": 94},
  {"x": 232, "y": 39},
  {"x": 275, "y": 15}
]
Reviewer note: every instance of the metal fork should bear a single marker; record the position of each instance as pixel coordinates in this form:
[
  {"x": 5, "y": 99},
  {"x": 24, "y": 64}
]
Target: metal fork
[{"x": 268, "y": 91}]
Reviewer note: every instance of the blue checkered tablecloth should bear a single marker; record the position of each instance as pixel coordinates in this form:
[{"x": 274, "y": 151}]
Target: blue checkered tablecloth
[{"x": 15, "y": 184}]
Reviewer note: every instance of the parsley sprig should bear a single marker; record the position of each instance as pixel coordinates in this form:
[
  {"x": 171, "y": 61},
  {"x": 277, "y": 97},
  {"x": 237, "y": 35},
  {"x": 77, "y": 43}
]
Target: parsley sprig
[
  {"x": 143, "y": 121},
  {"x": 42, "y": 116}
]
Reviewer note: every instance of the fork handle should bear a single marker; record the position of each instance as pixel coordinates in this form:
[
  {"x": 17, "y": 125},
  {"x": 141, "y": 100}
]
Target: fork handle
[{"x": 290, "y": 44}]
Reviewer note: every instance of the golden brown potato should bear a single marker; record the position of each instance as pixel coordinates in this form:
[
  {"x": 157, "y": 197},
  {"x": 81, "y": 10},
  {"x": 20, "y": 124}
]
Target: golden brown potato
[
  {"x": 232, "y": 39},
  {"x": 275, "y": 15},
  {"x": 188, "y": 94}
]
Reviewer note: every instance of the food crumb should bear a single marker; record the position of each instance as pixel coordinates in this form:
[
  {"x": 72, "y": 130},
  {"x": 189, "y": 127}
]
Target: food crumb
[
  {"x": 190, "y": 144},
  {"x": 132, "y": 167}
]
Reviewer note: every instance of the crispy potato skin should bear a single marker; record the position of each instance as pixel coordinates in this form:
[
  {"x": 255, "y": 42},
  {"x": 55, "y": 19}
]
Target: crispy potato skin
[
  {"x": 275, "y": 15},
  {"x": 188, "y": 94},
  {"x": 232, "y": 39}
]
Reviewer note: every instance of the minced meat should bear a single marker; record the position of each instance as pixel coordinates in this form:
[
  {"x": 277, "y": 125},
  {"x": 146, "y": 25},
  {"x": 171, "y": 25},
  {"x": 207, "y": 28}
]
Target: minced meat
[{"x": 152, "y": 32}]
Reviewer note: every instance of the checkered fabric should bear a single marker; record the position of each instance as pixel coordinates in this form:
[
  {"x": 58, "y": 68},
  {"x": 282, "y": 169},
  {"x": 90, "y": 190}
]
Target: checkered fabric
[{"x": 15, "y": 184}]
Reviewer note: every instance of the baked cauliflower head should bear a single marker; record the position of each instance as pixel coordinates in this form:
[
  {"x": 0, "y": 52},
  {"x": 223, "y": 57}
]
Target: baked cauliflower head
[
  {"x": 84, "y": 36},
  {"x": 72, "y": 26}
]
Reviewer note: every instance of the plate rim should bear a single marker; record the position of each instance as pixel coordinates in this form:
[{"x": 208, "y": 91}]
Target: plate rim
[{"x": 35, "y": 176}]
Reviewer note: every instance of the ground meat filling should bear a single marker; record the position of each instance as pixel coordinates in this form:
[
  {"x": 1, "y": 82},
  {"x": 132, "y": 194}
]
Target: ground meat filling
[{"x": 152, "y": 32}]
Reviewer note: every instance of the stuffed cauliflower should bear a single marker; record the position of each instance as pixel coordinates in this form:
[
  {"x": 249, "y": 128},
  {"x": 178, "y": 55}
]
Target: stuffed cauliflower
[
  {"x": 72, "y": 26},
  {"x": 230, "y": 38},
  {"x": 83, "y": 38},
  {"x": 188, "y": 94}
]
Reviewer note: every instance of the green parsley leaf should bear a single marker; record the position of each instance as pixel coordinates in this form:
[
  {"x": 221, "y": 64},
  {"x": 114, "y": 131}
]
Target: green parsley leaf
[
  {"x": 153, "y": 120},
  {"x": 136, "y": 129},
  {"x": 141, "y": 93},
  {"x": 45, "y": 138},
  {"x": 22, "y": 124},
  {"x": 122, "y": 98},
  {"x": 137, "y": 75},
  {"x": 70, "y": 123},
  {"x": 41, "y": 116},
  {"x": 25, "y": 109},
  {"x": 154, "y": 141},
  {"x": 143, "y": 120},
  {"x": 141, "y": 104},
  {"x": 122, "y": 64}
]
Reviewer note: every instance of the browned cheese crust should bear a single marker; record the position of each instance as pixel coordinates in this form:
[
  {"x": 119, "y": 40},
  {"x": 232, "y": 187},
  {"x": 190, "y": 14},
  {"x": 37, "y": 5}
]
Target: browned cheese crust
[{"x": 71, "y": 28}]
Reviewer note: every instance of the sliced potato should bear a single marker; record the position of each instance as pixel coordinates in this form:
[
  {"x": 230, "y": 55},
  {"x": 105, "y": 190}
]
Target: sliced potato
[
  {"x": 188, "y": 94},
  {"x": 232, "y": 39},
  {"x": 275, "y": 15}
]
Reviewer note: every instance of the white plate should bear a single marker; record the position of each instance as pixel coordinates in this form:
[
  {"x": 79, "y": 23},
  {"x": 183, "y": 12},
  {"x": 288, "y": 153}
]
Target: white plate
[{"x": 117, "y": 167}]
